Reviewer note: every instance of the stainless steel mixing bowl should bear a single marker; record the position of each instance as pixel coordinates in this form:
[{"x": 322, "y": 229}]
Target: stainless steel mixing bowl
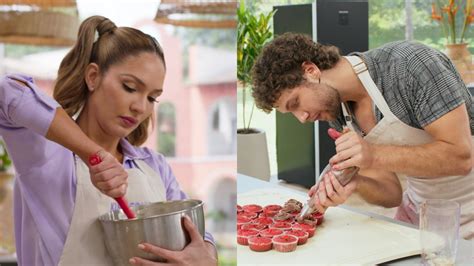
[{"x": 157, "y": 223}]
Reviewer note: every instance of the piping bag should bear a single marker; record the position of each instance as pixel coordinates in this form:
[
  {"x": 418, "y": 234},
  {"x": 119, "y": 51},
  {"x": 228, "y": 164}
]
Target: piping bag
[
  {"x": 122, "y": 202},
  {"x": 343, "y": 176}
]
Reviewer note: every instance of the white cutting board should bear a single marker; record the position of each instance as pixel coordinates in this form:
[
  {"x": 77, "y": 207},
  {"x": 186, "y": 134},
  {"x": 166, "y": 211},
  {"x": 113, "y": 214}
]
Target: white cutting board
[{"x": 345, "y": 237}]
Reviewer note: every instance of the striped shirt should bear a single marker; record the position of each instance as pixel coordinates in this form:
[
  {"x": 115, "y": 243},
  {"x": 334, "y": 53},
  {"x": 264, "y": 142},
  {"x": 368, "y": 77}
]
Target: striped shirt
[{"x": 419, "y": 83}]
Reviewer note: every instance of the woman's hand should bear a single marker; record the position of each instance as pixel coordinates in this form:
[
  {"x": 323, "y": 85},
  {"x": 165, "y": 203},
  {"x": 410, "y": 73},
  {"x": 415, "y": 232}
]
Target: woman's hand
[
  {"x": 109, "y": 176},
  {"x": 196, "y": 253},
  {"x": 330, "y": 192}
]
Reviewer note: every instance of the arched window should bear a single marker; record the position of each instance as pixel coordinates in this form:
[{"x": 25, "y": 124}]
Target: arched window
[
  {"x": 166, "y": 129},
  {"x": 222, "y": 127},
  {"x": 222, "y": 201}
]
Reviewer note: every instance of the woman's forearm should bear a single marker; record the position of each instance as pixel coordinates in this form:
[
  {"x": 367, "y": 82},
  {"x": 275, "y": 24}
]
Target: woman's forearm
[
  {"x": 212, "y": 249},
  {"x": 64, "y": 131}
]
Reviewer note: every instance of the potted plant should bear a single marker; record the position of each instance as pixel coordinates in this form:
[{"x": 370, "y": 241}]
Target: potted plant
[
  {"x": 445, "y": 13},
  {"x": 7, "y": 243},
  {"x": 253, "y": 32},
  {"x": 5, "y": 164}
]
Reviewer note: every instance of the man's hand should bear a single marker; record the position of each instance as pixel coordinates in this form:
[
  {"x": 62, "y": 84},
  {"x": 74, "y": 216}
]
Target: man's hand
[
  {"x": 330, "y": 192},
  {"x": 352, "y": 150},
  {"x": 196, "y": 253},
  {"x": 109, "y": 176}
]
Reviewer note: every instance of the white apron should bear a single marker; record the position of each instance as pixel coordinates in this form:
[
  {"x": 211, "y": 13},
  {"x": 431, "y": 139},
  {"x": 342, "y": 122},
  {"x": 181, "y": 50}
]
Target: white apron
[
  {"x": 85, "y": 241},
  {"x": 390, "y": 130}
]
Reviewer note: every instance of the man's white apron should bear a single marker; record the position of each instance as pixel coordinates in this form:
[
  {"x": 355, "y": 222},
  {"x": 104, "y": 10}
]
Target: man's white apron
[{"x": 390, "y": 130}]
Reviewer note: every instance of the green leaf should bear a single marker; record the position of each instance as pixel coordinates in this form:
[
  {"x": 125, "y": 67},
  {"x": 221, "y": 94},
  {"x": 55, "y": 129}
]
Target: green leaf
[
  {"x": 253, "y": 32},
  {"x": 5, "y": 161}
]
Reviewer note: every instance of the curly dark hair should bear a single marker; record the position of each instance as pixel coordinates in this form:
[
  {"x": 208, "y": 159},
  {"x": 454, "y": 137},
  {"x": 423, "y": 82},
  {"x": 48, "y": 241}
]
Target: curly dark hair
[{"x": 278, "y": 67}]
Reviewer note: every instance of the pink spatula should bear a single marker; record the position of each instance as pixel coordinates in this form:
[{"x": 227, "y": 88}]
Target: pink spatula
[{"x": 94, "y": 160}]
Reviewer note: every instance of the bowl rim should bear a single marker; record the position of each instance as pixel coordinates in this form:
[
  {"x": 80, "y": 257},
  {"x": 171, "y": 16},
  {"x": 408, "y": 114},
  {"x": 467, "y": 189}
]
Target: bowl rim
[{"x": 104, "y": 217}]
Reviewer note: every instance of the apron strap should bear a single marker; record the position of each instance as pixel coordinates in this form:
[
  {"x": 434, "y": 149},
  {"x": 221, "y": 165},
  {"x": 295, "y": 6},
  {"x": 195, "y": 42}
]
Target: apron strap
[
  {"x": 349, "y": 118},
  {"x": 361, "y": 71}
]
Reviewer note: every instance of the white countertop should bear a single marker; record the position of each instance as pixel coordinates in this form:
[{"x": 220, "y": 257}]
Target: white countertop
[{"x": 465, "y": 256}]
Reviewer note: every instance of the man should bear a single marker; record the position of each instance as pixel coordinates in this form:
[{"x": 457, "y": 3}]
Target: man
[{"x": 415, "y": 114}]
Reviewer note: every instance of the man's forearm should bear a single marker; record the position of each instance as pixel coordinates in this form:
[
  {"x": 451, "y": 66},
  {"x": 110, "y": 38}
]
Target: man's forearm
[
  {"x": 64, "y": 131},
  {"x": 386, "y": 193},
  {"x": 434, "y": 159}
]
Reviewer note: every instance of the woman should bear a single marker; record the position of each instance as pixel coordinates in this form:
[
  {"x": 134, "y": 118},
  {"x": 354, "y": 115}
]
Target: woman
[{"x": 110, "y": 82}]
